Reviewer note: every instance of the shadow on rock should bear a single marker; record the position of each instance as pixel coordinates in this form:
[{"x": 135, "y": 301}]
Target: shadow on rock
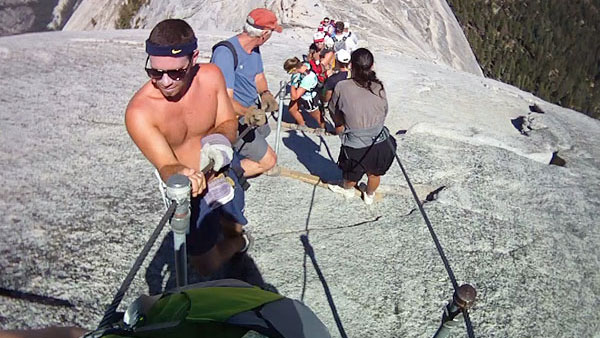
[
  {"x": 160, "y": 275},
  {"x": 310, "y": 121},
  {"x": 308, "y": 153}
]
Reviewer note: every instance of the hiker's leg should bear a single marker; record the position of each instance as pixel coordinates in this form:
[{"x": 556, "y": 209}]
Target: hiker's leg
[
  {"x": 231, "y": 228},
  {"x": 349, "y": 184},
  {"x": 259, "y": 157},
  {"x": 318, "y": 116},
  {"x": 253, "y": 168},
  {"x": 231, "y": 244},
  {"x": 372, "y": 183},
  {"x": 212, "y": 260},
  {"x": 294, "y": 110}
]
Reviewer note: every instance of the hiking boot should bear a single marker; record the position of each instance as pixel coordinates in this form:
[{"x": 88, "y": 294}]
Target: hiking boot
[
  {"x": 302, "y": 127},
  {"x": 347, "y": 193},
  {"x": 368, "y": 199},
  {"x": 320, "y": 131},
  {"x": 248, "y": 240}
]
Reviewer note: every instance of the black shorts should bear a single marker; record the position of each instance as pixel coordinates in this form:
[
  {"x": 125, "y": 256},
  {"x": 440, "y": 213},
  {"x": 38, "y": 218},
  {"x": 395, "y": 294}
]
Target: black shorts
[
  {"x": 311, "y": 105},
  {"x": 354, "y": 162}
]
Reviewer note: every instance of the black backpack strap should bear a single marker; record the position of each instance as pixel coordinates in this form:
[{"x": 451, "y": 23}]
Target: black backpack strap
[
  {"x": 239, "y": 173},
  {"x": 231, "y": 48}
]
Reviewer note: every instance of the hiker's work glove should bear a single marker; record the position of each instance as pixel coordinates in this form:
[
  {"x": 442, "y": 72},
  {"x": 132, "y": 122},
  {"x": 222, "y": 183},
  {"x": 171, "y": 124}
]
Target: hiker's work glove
[
  {"x": 255, "y": 117},
  {"x": 220, "y": 191},
  {"x": 268, "y": 102},
  {"x": 216, "y": 148}
]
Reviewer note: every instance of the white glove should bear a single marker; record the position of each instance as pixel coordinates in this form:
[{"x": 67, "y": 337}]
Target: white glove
[
  {"x": 220, "y": 191},
  {"x": 215, "y": 148}
]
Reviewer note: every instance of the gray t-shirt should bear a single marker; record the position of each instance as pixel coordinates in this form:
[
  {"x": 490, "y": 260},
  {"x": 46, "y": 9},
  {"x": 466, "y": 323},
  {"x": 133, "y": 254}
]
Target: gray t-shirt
[{"x": 362, "y": 111}]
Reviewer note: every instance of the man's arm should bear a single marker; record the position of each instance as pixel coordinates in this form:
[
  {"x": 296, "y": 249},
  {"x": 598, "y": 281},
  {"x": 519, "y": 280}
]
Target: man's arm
[
  {"x": 225, "y": 120},
  {"x": 237, "y": 107},
  {"x": 327, "y": 61},
  {"x": 296, "y": 93},
  {"x": 327, "y": 96},
  {"x": 155, "y": 148},
  {"x": 261, "y": 83}
]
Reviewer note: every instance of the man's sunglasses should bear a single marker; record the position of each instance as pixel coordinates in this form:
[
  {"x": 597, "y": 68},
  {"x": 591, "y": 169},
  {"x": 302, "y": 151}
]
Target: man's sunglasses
[{"x": 174, "y": 74}]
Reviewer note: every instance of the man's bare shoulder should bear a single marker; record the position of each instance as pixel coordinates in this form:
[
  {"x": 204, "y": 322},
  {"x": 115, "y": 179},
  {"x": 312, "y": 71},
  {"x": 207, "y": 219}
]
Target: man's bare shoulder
[
  {"x": 210, "y": 74},
  {"x": 143, "y": 102}
]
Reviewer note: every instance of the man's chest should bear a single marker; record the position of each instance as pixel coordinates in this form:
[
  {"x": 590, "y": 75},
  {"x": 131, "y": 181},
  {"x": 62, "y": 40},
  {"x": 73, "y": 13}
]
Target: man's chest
[
  {"x": 188, "y": 120},
  {"x": 249, "y": 66}
]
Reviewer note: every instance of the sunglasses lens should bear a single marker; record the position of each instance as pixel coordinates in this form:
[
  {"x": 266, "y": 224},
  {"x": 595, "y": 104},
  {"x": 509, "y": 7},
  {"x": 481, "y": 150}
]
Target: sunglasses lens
[
  {"x": 154, "y": 73},
  {"x": 177, "y": 74},
  {"x": 174, "y": 74}
]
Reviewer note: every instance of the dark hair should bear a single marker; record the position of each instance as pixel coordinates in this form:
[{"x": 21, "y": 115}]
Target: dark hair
[
  {"x": 171, "y": 32},
  {"x": 362, "y": 74},
  {"x": 291, "y": 63},
  {"x": 339, "y": 26},
  {"x": 312, "y": 48}
]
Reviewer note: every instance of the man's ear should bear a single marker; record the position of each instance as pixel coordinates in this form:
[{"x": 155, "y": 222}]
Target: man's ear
[{"x": 195, "y": 56}]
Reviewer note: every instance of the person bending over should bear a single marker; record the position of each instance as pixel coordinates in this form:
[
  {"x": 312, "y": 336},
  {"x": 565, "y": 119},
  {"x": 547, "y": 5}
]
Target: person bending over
[
  {"x": 303, "y": 92},
  {"x": 182, "y": 120}
]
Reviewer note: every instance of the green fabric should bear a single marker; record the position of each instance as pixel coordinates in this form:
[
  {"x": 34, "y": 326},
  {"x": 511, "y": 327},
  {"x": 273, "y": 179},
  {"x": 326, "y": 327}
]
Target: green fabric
[
  {"x": 202, "y": 312},
  {"x": 219, "y": 303},
  {"x": 170, "y": 308}
]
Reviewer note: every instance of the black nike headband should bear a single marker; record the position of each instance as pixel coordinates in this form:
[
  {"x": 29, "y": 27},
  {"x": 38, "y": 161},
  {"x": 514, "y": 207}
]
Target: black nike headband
[{"x": 175, "y": 50}]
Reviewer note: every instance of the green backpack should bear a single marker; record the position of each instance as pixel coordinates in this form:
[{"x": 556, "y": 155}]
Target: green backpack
[{"x": 225, "y": 308}]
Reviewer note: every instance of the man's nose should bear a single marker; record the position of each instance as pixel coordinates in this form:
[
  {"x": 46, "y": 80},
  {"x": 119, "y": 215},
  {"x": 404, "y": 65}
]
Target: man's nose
[{"x": 165, "y": 80}]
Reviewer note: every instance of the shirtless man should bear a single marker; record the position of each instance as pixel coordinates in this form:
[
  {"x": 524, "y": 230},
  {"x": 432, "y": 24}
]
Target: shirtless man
[{"x": 181, "y": 120}]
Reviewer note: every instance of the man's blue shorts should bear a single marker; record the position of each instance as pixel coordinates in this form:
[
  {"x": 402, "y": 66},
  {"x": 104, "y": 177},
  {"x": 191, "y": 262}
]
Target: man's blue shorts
[{"x": 205, "y": 224}]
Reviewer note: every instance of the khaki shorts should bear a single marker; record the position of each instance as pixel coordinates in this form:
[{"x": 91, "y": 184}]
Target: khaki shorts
[{"x": 254, "y": 144}]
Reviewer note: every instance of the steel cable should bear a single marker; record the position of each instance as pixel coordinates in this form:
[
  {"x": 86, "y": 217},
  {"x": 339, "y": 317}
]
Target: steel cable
[
  {"x": 433, "y": 235},
  {"x": 109, "y": 314}
]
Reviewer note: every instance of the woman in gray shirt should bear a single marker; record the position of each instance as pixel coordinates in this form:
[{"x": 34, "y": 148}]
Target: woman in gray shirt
[{"x": 359, "y": 110}]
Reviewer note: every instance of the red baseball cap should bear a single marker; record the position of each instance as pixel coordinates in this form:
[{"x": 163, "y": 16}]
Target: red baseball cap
[{"x": 263, "y": 18}]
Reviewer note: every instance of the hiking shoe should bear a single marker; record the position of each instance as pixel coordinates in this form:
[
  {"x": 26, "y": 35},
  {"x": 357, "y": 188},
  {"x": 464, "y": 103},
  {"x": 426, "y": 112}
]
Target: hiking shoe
[
  {"x": 302, "y": 127},
  {"x": 320, "y": 131},
  {"x": 347, "y": 193},
  {"x": 368, "y": 199},
  {"x": 248, "y": 240}
]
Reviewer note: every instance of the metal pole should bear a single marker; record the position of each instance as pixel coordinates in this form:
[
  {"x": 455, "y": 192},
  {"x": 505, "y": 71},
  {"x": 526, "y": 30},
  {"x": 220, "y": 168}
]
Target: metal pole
[
  {"x": 281, "y": 93},
  {"x": 463, "y": 299},
  {"x": 179, "y": 189}
]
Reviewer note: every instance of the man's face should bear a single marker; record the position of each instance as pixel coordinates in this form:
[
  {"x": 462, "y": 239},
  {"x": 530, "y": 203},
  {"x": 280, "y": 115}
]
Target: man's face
[
  {"x": 179, "y": 68},
  {"x": 320, "y": 45},
  {"x": 264, "y": 37},
  {"x": 315, "y": 56}
]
